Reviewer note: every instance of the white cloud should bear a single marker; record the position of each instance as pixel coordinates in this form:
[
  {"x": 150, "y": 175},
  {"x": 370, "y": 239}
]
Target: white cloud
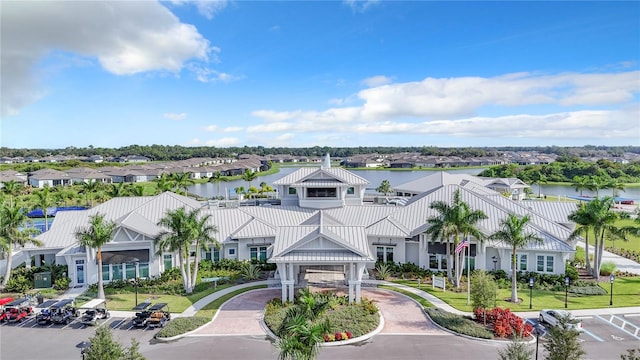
[
  {"x": 378, "y": 80},
  {"x": 210, "y": 128},
  {"x": 194, "y": 141},
  {"x": 206, "y": 8},
  {"x": 360, "y": 5},
  {"x": 224, "y": 142},
  {"x": 206, "y": 74},
  {"x": 175, "y": 116},
  {"x": 233, "y": 129},
  {"x": 126, "y": 37}
]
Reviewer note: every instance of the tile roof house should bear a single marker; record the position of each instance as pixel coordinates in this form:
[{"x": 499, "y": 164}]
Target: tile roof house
[{"x": 322, "y": 223}]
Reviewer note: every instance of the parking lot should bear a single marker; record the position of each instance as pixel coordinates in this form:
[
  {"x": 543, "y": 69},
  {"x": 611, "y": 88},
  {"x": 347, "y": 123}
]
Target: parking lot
[{"x": 60, "y": 341}]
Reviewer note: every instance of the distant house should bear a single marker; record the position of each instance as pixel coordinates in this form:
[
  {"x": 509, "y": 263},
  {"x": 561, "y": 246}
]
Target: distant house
[
  {"x": 6, "y": 160},
  {"x": 138, "y": 159},
  {"x": 49, "y": 177},
  {"x": 12, "y": 175},
  {"x": 86, "y": 175},
  {"x": 95, "y": 159}
]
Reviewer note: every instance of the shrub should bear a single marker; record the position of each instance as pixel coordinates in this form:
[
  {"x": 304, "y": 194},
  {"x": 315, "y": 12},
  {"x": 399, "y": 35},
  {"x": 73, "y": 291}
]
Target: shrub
[
  {"x": 62, "y": 284},
  {"x": 571, "y": 271},
  {"x": 459, "y": 324},
  {"x": 383, "y": 270},
  {"x": 250, "y": 271},
  {"x": 18, "y": 283},
  {"x": 607, "y": 268},
  {"x": 180, "y": 326},
  {"x": 587, "y": 290},
  {"x": 504, "y": 323}
]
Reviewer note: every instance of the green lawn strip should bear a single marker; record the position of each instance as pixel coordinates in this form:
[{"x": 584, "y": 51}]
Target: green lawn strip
[
  {"x": 459, "y": 324},
  {"x": 422, "y": 301},
  {"x": 181, "y": 325},
  {"x": 209, "y": 310},
  {"x": 626, "y": 292}
]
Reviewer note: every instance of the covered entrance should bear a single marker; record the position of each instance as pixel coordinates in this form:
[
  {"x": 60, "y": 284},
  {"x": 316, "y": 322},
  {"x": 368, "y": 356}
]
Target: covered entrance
[{"x": 321, "y": 254}]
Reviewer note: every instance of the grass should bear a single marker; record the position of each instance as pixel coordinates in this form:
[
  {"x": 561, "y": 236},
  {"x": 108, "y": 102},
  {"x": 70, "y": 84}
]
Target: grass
[
  {"x": 211, "y": 308},
  {"x": 422, "y": 301},
  {"x": 626, "y": 292}
]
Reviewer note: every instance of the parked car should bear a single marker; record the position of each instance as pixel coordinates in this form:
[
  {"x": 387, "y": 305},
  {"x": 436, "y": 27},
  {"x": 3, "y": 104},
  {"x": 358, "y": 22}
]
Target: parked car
[
  {"x": 44, "y": 316},
  {"x": 552, "y": 317},
  {"x": 142, "y": 314},
  {"x": 18, "y": 310},
  {"x": 63, "y": 312},
  {"x": 94, "y": 310},
  {"x": 159, "y": 315}
]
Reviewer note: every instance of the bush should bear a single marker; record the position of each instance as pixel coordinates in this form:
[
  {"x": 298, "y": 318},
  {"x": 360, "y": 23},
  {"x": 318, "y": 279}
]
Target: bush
[
  {"x": 383, "y": 270},
  {"x": 607, "y": 268},
  {"x": 571, "y": 271},
  {"x": 504, "y": 323},
  {"x": 459, "y": 324},
  {"x": 19, "y": 284},
  {"x": 62, "y": 284},
  {"x": 587, "y": 290},
  {"x": 180, "y": 326}
]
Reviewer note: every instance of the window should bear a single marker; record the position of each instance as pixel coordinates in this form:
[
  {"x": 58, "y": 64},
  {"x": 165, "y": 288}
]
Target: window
[
  {"x": 292, "y": 191},
  {"x": 384, "y": 253},
  {"x": 143, "y": 270},
  {"x": 213, "y": 254},
  {"x": 258, "y": 253},
  {"x": 106, "y": 273},
  {"x": 351, "y": 191},
  {"x": 321, "y": 192},
  {"x": 168, "y": 261},
  {"x": 433, "y": 261},
  {"x": 232, "y": 251},
  {"x": 543, "y": 260},
  {"x": 131, "y": 270},
  {"x": 472, "y": 263},
  {"x": 117, "y": 272},
  {"x": 523, "y": 262}
]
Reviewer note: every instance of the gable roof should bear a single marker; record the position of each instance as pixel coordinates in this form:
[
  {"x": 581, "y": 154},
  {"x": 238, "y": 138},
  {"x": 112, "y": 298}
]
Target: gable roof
[{"x": 341, "y": 175}]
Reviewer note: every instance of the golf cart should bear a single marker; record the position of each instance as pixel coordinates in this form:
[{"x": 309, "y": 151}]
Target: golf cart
[
  {"x": 44, "y": 317},
  {"x": 63, "y": 312},
  {"x": 142, "y": 314},
  {"x": 94, "y": 310},
  {"x": 18, "y": 310},
  {"x": 159, "y": 315}
]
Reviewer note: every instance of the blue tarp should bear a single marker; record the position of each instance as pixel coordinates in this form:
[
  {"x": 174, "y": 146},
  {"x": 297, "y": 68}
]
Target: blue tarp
[
  {"x": 616, "y": 199},
  {"x": 38, "y": 213}
]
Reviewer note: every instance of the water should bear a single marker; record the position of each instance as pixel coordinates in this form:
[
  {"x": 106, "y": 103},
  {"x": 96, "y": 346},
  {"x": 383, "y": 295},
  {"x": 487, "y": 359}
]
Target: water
[{"x": 375, "y": 177}]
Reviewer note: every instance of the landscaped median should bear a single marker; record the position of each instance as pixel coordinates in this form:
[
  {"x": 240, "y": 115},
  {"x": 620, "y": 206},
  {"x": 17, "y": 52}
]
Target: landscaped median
[{"x": 182, "y": 326}]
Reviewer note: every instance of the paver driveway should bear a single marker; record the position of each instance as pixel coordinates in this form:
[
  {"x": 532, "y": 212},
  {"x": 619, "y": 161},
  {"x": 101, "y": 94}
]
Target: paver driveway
[{"x": 241, "y": 315}]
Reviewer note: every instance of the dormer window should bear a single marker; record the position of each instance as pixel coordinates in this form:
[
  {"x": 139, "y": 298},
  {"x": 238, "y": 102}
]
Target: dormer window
[
  {"x": 351, "y": 191},
  {"x": 292, "y": 191},
  {"x": 322, "y": 192}
]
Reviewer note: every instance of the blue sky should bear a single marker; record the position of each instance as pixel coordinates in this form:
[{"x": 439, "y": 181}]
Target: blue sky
[{"x": 330, "y": 73}]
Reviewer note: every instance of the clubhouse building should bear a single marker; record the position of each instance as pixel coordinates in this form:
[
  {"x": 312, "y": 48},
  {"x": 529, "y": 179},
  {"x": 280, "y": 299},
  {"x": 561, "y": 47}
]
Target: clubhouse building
[{"x": 322, "y": 224}]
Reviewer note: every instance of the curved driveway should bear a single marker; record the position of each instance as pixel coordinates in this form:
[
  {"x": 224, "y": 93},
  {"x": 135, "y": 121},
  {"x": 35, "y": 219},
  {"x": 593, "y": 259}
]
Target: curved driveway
[{"x": 241, "y": 315}]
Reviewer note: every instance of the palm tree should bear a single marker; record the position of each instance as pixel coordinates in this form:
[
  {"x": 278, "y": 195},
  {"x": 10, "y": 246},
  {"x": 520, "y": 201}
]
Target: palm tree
[
  {"x": 11, "y": 188},
  {"x": 615, "y": 184},
  {"x": 45, "y": 200},
  {"x": 451, "y": 222},
  {"x": 182, "y": 181},
  {"x": 218, "y": 178},
  {"x": 239, "y": 191},
  {"x": 582, "y": 217},
  {"x": 249, "y": 176},
  {"x": 580, "y": 183},
  {"x": 537, "y": 179},
  {"x": 513, "y": 233},
  {"x": 595, "y": 183},
  {"x": 385, "y": 188},
  {"x": 14, "y": 232},
  {"x": 602, "y": 218},
  {"x": 164, "y": 183},
  {"x": 89, "y": 188},
  {"x": 184, "y": 229},
  {"x": 265, "y": 188},
  {"x": 117, "y": 190},
  {"x": 95, "y": 236}
]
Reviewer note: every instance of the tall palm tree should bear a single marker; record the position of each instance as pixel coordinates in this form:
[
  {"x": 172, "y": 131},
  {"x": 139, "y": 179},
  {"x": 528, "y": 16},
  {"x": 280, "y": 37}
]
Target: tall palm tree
[
  {"x": 537, "y": 179},
  {"x": 95, "y": 236},
  {"x": 89, "y": 188},
  {"x": 453, "y": 221},
  {"x": 45, "y": 200},
  {"x": 14, "y": 232},
  {"x": 182, "y": 181},
  {"x": 582, "y": 217},
  {"x": 239, "y": 190},
  {"x": 595, "y": 183},
  {"x": 602, "y": 218},
  {"x": 218, "y": 178},
  {"x": 182, "y": 230},
  {"x": 615, "y": 184},
  {"x": 249, "y": 176},
  {"x": 580, "y": 183},
  {"x": 513, "y": 233}
]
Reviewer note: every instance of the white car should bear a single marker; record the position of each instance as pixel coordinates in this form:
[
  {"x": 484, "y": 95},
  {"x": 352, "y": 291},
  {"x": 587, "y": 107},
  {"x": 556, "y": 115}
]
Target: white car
[{"x": 552, "y": 317}]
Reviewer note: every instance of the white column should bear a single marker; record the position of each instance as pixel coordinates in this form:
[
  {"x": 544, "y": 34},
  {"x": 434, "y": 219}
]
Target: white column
[
  {"x": 352, "y": 277},
  {"x": 360, "y": 273},
  {"x": 292, "y": 282},
  {"x": 282, "y": 269}
]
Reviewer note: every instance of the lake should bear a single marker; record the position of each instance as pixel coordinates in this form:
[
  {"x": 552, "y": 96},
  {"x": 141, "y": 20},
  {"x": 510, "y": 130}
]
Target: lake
[{"x": 375, "y": 177}]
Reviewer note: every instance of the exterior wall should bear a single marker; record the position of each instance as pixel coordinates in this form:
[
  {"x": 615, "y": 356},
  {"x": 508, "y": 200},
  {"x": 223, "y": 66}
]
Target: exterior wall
[
  {"x": 244, "y": 250},
  {"x": 412, "y": 252}
]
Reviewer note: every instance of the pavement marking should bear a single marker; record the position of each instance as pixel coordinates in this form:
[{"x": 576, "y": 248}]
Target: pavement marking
[
  {"x": 618, "y": 338},
  {"x": 631, "y": 315},
  {"x": 584, "y": 317},
  {"x": 621, "y": 327},
  {"x": 592, "y": 334}
]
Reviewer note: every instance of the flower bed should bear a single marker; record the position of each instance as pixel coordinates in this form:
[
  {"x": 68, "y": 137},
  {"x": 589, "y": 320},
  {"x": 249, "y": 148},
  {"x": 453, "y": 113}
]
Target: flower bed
[
  {"x": 503, "y": 323},
  {"x": 339, "y": 336}
]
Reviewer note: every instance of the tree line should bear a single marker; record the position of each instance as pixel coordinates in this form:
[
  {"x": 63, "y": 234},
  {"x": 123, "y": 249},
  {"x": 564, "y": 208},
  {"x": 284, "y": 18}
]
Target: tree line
[{"x": 177, "y": 152}]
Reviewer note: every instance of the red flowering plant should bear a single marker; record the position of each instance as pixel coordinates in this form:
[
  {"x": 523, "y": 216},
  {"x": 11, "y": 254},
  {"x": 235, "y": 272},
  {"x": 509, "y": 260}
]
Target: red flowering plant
[{"x": 503, "y": 322}]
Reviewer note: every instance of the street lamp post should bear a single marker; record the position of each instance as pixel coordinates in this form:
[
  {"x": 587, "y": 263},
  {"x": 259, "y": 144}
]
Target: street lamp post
[
  {"x": 137, "y": 264},
  {"x": 495, "y": 263},
  {"x": 538, "y": 331},
  {"x": 530, "y": 292},
  {"x": 566, "y": 290},
  {"x": 611, "y": 278}
]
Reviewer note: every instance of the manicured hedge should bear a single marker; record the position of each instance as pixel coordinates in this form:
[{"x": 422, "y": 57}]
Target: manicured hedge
[
  {"x": 181, "y": 325},
  {"x": 459, "y": 324}
]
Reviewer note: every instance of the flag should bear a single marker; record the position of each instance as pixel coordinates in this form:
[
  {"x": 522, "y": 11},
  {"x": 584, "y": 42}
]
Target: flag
[{"x": 463, "y": 244}]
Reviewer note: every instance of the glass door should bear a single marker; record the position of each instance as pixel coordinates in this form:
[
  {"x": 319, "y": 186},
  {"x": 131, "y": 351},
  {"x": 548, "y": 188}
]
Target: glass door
[{"x": 79, "y": 272}]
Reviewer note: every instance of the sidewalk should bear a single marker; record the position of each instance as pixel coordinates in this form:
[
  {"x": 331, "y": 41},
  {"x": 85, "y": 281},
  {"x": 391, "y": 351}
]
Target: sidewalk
[{"x": 622, "y": 263}]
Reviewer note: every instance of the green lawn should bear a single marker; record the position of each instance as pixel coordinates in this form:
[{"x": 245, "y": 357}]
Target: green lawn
[{"x": 626, "y": 292}]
